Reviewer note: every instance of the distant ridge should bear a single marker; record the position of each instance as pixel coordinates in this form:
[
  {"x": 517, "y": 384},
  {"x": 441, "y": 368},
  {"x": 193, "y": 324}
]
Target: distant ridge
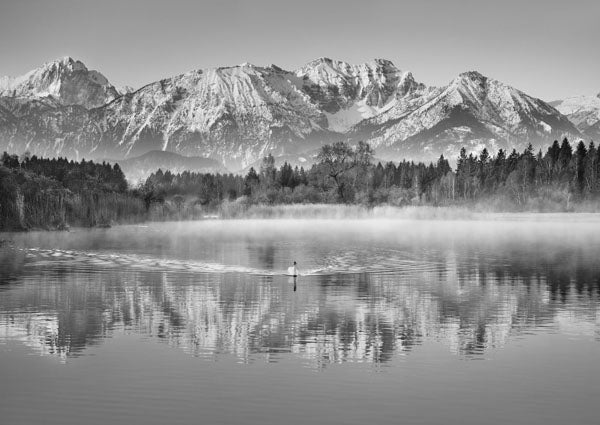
[
  {"x": 139, "y": 168},
  {"x": 584, "y": 112}
]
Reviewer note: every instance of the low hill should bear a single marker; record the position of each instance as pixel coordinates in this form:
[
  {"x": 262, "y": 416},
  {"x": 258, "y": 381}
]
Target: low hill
[{"x": 140, "y": 167}]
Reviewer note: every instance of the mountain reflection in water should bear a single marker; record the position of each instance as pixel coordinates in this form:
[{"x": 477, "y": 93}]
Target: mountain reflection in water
[{"x": 467, "y": 294}]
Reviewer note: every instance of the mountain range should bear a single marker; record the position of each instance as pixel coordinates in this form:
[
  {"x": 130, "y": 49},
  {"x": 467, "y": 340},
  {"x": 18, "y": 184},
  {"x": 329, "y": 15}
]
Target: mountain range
[
  {"x": 584, "y": 112},
  {"x": 236, "y": 115}
]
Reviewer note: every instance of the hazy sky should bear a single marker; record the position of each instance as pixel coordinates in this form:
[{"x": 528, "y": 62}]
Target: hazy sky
[{"x": 547, "y": 48}]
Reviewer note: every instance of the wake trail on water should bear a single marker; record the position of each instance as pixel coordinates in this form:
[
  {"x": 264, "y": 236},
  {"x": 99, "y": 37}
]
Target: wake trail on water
[
  {"x": 38, "y": 257},
  {"x": 351, "y": 262}
]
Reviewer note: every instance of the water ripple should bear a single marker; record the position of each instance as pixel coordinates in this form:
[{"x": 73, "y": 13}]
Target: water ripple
[{"x": 349, "y": 262}]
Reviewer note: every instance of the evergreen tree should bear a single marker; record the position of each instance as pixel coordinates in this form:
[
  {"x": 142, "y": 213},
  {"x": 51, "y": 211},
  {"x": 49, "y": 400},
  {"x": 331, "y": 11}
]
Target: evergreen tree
[
  {"x": 564, "y": 158},
  {"x": 251, "y": 182},
  {"x": 579, "y": 162},
  {"x": 553, "y": 153}
]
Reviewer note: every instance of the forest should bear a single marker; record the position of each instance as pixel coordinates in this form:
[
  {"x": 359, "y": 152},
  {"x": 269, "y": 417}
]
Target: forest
[
  {"x": 561, "y": 179},
  {"x": 57, "y": 193},
  {"x": 39, "y": 193}
]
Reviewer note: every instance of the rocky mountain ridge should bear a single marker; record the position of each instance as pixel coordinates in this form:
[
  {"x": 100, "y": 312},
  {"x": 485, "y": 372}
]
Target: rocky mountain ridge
[{"x": 236, "y": 115}]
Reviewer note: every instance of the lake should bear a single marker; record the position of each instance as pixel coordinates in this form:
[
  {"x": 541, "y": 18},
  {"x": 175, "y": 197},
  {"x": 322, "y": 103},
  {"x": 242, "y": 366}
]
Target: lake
[{"x": 494, "y": 320}]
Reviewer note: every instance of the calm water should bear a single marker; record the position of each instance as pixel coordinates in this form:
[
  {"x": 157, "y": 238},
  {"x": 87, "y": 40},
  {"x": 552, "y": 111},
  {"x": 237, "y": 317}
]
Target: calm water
[{"x": 491, "y": 321}]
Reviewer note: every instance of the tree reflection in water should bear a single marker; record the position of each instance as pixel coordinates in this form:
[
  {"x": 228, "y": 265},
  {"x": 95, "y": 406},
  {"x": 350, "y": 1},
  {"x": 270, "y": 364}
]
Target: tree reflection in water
[{"x": 472, "y": 302}]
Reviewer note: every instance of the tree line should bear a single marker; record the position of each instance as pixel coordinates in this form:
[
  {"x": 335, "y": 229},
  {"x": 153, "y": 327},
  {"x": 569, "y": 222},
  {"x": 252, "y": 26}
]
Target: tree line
[
  {"x": 54, "y": 193},
  {"x": 561, "y": 179}
]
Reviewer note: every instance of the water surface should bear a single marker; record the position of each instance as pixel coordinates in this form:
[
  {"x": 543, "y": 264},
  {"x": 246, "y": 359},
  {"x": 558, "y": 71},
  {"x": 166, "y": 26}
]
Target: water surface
[{"x": 392, "y": 321}]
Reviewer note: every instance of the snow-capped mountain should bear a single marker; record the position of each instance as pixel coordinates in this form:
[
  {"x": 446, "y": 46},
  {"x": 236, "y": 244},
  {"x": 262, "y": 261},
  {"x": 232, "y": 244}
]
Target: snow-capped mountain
[
  {"x": 472, "y": 111},
  {"x": 584, "y": 112},
  {"x": 349, "y": 94},
  {"x": 66, "y": 80},
  {"x": 236, "y": 115}
]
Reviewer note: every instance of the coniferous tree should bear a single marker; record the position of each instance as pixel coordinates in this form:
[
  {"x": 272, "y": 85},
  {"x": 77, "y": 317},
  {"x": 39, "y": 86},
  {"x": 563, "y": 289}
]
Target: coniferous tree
[
  {"x": 591, "y": 169},
  {"x": 579, "y": 160},
  {"x": 564, "y": 159},
  {"x": 553, "y": 153},
  {"x": 251, "y": 182}
]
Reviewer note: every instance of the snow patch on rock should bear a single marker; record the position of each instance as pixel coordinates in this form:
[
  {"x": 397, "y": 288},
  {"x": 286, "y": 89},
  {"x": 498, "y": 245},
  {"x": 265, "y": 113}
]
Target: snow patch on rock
[{"x": 344, "y": 119}]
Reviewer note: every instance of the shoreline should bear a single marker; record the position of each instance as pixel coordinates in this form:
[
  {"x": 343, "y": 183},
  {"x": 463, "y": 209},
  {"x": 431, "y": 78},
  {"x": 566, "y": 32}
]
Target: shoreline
[{"x": 349, "y": 213}]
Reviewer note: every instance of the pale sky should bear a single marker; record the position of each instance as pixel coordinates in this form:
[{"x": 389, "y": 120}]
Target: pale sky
[{"x": 547, "y": 48}]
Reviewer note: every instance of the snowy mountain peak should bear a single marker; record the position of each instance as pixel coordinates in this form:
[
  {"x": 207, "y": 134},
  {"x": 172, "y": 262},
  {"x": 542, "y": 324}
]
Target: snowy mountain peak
[
  {"x": 324, "y": 66},
  {"x": 66, "y": 80},
  {"x": 319, "y": 61},
  {"x": 472, "y": 75},
  {"x": 383, "y": 62},
  {"x": 337, "y": 85},
  {"x": 67, "y": 62},
  {"x": 468, "y": 88},
  {"x": 471, "y": 78}
]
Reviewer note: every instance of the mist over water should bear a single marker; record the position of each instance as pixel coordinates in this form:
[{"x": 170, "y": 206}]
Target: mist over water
[
  {"x": 410, "y": 299},
  {"x": 462, "y": 267}
]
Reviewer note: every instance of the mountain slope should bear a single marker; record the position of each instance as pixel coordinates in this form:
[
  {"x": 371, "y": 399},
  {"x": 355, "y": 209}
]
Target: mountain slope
[
  {"x": 46, "y": 127},
  {"x": 584, "y": 112}
]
